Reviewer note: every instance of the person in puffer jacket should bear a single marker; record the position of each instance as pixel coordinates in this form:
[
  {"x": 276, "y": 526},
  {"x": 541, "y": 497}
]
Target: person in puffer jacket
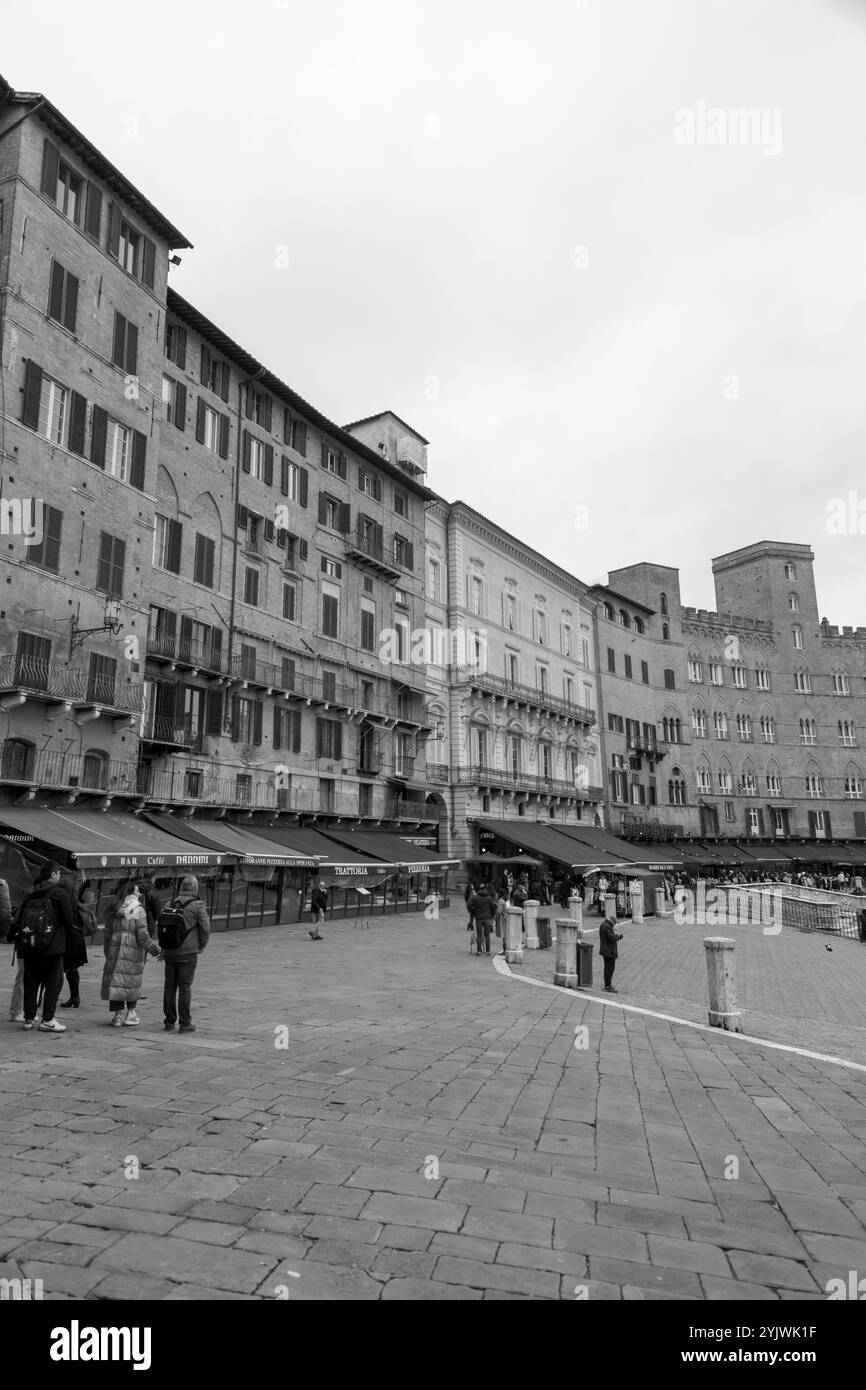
[
  {"x": 127, "y": 946},
  {"x": 180, "y": 964}
]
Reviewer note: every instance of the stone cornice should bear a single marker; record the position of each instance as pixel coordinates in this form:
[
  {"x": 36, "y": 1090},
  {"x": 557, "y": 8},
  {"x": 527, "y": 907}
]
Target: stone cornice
[{"x": 506, "y": 546}]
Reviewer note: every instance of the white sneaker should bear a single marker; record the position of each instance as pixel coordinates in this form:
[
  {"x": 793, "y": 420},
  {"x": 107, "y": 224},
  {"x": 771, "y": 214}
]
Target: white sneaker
[
  {"x": 52, "y": 1027},
  {"x": 16, "y": 1018},
  {"x": 132, "y": 1019},
  {"x": 116, "y": 1019}
]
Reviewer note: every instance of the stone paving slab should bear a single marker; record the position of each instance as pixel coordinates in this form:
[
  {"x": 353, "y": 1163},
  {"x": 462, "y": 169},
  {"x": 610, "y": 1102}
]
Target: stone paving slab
[{"x": 431, "y": 1131}]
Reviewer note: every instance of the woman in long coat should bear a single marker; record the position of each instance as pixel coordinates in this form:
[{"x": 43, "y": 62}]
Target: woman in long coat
[
  {"x": 75, "y": 955},
  {"x": 127, "y": 946}
]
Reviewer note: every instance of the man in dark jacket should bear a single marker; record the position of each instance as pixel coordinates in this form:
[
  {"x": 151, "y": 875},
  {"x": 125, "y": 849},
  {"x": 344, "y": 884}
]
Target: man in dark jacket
[
  {"x": 180, "y": 964},
  {"x": 483, "y": 906},
  {"x": 44, "y": 965},
  {"x": 608, "y": 937},
  {"x": 318, "y": 907}
]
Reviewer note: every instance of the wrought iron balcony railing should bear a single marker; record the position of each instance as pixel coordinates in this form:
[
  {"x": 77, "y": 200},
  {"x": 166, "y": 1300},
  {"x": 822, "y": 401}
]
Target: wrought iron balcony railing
[
  {"x": 55, "y": 680},
  {"x": 524, "y": 694}
]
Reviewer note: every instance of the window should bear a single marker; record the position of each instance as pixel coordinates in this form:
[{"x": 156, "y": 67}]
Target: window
[
  {"x": 246, "y": 721},
  {"x": 510, "y": 612},
  {"x": 513, "y": 756},
  {"x": 541, "y": 679},
  {"x": 479, "y": 740},
  {"x": 52, "y": 410},
  {"x": 401, "y": 503},
  {"x": 749, "y": 785},
  {"x": 287, "y": 673},
  {"x": 299, "y": 437},
  {"x": 794, "y": 602},
  {"x": 167, "y": 544},
  {"x": 704, "y": 781},
  {"x": 663, "y": 604},
  {"x": 720, "y": 723},
  {"x": 212, "y": 430},
  {"x": 615, "y": 723},
  {"x": 69, "y": 192},
  {"x": 611, "y": 660},
  {"x": 546, "y": 762},
  {"x": 476, "y": 594},
  {"x": 175, "y": 344},
  {"x": 729, "y": 811},
  {"x": 854, "y": 788},
  {"x": 290, "y": 602},
  {"x": 802, "y": 683},
  {"x": 63, "y": 296},
  {"x": 768, "y": 728},
  {"x": 404, "y": 555},
  {"x": 129, "y": 247},
  {"x": 753, "y": 821},
  {"x": 715, "y": 673},
  {"x": 671, "y": 729},
  {"x": 608, "y": 612},
  {"x": 330, "y": 610},
  {"x": 117, "y": 442},
  {"x": 256, "y": 453},
  {"x": 738, "y": 676},
  {"x": 124, "y": 350},
  {"x": 332, "y": 568},
  {"x": 627, "y": 664},
  {"x": 695, "y": 668},
  {"x": 774, "y": 784},
  {"x": 841, "y": 684},
  {"x": 370, "y": 484},
  {"x": 644, "y": 673},
  {"x": 791, "y": 572},
  {"x": 847, "y": 733},
  {"x": 819, "y": 824},
  {"x": 203, "y": 563},
  {"x": 215, "y": 376},
  {"x": 45, "y": 553},
  {"x": 814, "y": 785},
  {"x": 666, "y": 633},
  {"x": 797, "y": 634},
  {"x": 333, "y": 461},
  {"x": 174, "y": 402},
  {"x": 568, "y": 689},
  {"x": 401, "y": 627},
  {"x": 101, "y": 675},
  {"x": 368, "y": 625},
  {"x": 699, "y": 723},
  {"x": 512, "y": 668},
  {"x": 670, "y": 680},
  {"x": 726, "y": 784},
  {"x": 677, "y": 788},
  {"x": 639, "y": 626},
  {"x": 623, "y": 618},
  {"x": 762, "y": 678},
  {"x": 260, "y": 408},
  {"x": 541, "y": 626},
  {"x": 566, "y": 639},
  {"x": 433, "y": 579},
  {"x": 744, "y": 728},
  {"x": 109, "y": 566},
  {"x": 293, "y": 481},
  {"x": 808, "y": 731}
]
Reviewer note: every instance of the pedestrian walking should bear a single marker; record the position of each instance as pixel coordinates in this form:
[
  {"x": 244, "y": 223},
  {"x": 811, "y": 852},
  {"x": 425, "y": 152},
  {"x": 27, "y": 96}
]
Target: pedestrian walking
[
  {"x": 42, "y": 925},
  {"x": 318, "y": 907},
  {"x": 499, "y": 914},
  {"x": 84, "y": 925},
  {"x": 192, "y": 935},
  {"x": 484, "y": 907},
  {"x": 128, "y": 943},
  {"x": 468, "y": 895},
  {"x": 608, "y": 937}
]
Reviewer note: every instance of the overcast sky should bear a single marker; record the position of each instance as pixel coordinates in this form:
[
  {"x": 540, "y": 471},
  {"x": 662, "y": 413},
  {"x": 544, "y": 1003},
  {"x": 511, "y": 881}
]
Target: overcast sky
[{"x": 506, "y": 222}]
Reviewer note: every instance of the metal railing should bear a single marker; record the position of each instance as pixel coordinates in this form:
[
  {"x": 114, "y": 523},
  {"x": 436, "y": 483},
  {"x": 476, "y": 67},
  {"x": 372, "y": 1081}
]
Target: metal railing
[
  {"x": 438, "y": 772},
  {"x": 63, "y": 682},
  {"x": 404, "y": 809},
  {"x": 525, "y": 694},
  {"x": 52, "y": 768},
  {"x": 187, "y": 650},
  {"x": 478, "y": 775},
  {"x": 406, "y": 708},
  {"x": 160, "y": 729},
  {"x": 777, "y": 905}
]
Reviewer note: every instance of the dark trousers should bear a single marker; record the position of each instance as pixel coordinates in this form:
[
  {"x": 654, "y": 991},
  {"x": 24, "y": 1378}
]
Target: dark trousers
[
  {"x": 609, "y": 967},
  {"x": 72, "y": 979},
  {"x": 177, "y": 995},
  {"x": 482, "y": 934},
  {"x": 45, "y": 971},
  {"x": 116, "y": 1005}
]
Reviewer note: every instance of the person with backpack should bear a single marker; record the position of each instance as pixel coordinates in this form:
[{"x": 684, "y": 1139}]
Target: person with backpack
[
  {"x": 482, "y": 904},
  {"x": 128, "y": 943},
  {"x": 42, "y": 926},
  {"x": 318, "y": 906},
  {"x": 183, "y": 931}
]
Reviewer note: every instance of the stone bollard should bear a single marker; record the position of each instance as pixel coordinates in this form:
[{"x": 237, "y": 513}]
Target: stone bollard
[
  {"x": 566, "y": 953},
  {"x": 530, "y": 920},
  {"x": 575, "y": 907},
  {"x": 660, "y": 902},
  {"x": 636, "y": 891},
  {"x": 514, "y": 935},
  {"x": 610, "y": 905},
  {"x": 722, "y": 984}
]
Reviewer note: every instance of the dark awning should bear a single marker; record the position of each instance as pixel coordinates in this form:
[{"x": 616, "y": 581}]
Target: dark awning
[
  {"x": 823, "y": 854},
  {"x": 552, "y": 843},
  {"x": 344, "y": 863},
  {"x": 727, "y": 853},
  {"x": 658, "y": 858},
  {"x": 102, "y": 840},
  {"x": 389, "y": 848},
  {"x": 245, "y": 846},
  {"x": 694, "y": 852},
  {"x": 767, "y": 854}
]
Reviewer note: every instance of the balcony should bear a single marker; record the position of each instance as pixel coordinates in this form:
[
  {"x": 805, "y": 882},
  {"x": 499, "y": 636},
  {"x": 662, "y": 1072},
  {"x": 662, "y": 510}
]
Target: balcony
[
  {"x": 413, "y": 810},
  {"x": 56, "y": 771},
  {"x": 255, "y": 545},
  {"x": 438, "y": 772},
  {"x": 200, "y": 787},
  {"x": 169, "y": 733},
  {"x": 198, "y": 656},
  {"x": 53, "y": 682},
  {"x": 640, "y": 748},
  {"x": 364, "y": 550},
  {"x": 478, "y": 776},
  {"x": 254, "y": 672},
  {"x": 400, "y": 769},
  {"x": 524, "y": 696}
]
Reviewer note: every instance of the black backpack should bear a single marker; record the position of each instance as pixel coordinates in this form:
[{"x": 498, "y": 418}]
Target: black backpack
[
  {"x": 37, "y": 923},
  {"x": 171, "y": 927}
]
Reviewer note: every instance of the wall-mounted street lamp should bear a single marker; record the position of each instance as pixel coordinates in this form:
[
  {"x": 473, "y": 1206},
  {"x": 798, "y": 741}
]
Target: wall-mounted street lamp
[{"x": 111, "y": 623}]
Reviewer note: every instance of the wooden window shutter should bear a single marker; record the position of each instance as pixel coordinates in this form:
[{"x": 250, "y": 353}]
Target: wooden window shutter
[
  {"x": 269, "y": 414},
  {"x": 761, "y": 821},
  {"x": 139, "y": 460},
  {"x": 50, "y": 162},
  {"x": 325, "y": 452},
  {"x": 345, "y": 518},
  {"x": 246, "y": 463},
  {"x": 236, "y": 718},
  {"x": 278, "y": 727},
  {"x": 338, "y": 741},
  {"x": 269, "y": 464},
  {"x": 303, "y": 548},
  {"x": 302, "y": 488},
  {"x": 216, "y": 635},
  {"x": 323, "y": 504},
  {"x": 98, "y": 431},
  {"x": 51, "y": 553},
  {"x": 199, "y": 420},
  {"x": 827, "y": 823},
  {"x": 118, "y": 346},
  {"x": 205, "y": 366},
  {"x": 410, "y": 564},
  {"x": 378, "y": 535},
  {"x": 180, "y": 405},
  {"x": 342, "y": 467},
  {"x": 32, "y": 395},
  {"x": 257, "y": 722},
  {"x": 175, "y": 540},
  {"x": 224, "y": 384},
  {"x": 812, "y": 823},
  {"x": 243, "y": 518},
  {"x": 70, "y": 302},
  {"x": 250, "y": 399},
  {"x": 296, "y": 731},
  {"x": 185, "y": 636},
  {"x": 287, "y": 426},
  {"x": 269, "y": 529},
  {"x": 55, "y": 292},
  {"x": 180, "y": 347},
  {"x": 131, "y": 349},
  {"x": 113, "y": 230},
  {"x": 284, "y": 476},
  {"x": 148, "y": 263},
  {"x": 224, "y": 436},
  {"x": 93, "y": 212},
  {"x": 320, "y": 731},
  {"x": 103, "y": 563},
  {"x": 77, "y": 423},
  {"x": 214, "y": 712}
]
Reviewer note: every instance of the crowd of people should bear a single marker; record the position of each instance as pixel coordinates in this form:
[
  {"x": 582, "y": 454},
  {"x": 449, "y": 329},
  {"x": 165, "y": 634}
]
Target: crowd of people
[
  {"x": 840, "y": 882},
  {"x": 49, "y": 930}
]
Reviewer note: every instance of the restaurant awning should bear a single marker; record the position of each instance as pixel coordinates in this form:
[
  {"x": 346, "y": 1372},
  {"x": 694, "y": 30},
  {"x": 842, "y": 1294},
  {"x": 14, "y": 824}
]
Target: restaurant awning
[
  {"x": 389, "y": 848},
  {"x": 552, "y": 843},
  {"x": 658, "y": 859},
  {"x": 727, "y": 853},
  {"x": 342, "y": 863},
  {"x": 102, "y": 840},
  {"x": 766, "y": 854},
  {"x": 243, "y": 844},
  {"x": 694, "y": 852},
  {"x": 821, "y": 854}
]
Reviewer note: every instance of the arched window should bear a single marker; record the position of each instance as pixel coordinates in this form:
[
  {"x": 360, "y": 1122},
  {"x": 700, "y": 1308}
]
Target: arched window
[
  {"x": 720, "y": 723},
  {"x": 624, "y": 619},
  {"x": 847, "y": 733},
  {"x": 676, "y": 788},
  {"x": 672, "y": 730},
  {"x": 663, "y": 604},
  {"x": 797, "y": 634},
  {"x": 774, "y": 779},
  {"x": 791, "y": 572},
  {"x": 638, "y": 626},
  {"x": 744, "y": 726},
  {"x": 841, "y": 683},
  {"x": 749, "y": 780},
  {"x": 699, "y": 723},
  {"x": 704, "y": 779},
  {"x": 794, "y": 602},
  {"x": 545, "y": 760},
  {"x": 94, "y": 771},
  {"x": 852, "y": 783},
  {"x": 768, "y": 728},
  {"x": 608, "y": 612},
  {"x": 19, "y": 757},
  {"x": 808, "y": 731},
  {"x": 814, "y": 781},
  {"x": 666, "y": 633}
]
